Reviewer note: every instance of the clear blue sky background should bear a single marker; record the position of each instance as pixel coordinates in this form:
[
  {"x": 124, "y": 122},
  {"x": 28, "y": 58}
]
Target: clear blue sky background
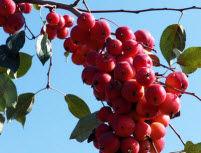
[{"x": 49, "y": 125}]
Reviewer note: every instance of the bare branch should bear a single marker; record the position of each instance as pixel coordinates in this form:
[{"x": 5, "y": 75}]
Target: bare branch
[
  {"x": 143, "y": 10},
  {"x": 75, "y": 3},
  {"x": 48, "y": 86},
  {"x": 48, "y": 4}
]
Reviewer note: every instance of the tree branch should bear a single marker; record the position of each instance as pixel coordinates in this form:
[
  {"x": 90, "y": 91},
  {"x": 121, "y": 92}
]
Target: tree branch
[
  {"x": 173, "y": 129},
  {"x": 143, "y": 10},
  {"x": 75, "y": 3},
  {"x": 52, "y": 3}
]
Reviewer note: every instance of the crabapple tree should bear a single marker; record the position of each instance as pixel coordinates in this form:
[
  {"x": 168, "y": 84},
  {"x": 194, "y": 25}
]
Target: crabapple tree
[{"x": 121, "y": 66}]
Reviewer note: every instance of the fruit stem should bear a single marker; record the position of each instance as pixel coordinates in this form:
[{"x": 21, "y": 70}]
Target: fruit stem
[{"x": 173, "y": 129}]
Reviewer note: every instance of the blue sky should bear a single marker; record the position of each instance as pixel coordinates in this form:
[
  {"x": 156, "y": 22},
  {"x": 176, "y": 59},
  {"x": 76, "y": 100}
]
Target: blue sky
[{"x": 49, "y": 125}]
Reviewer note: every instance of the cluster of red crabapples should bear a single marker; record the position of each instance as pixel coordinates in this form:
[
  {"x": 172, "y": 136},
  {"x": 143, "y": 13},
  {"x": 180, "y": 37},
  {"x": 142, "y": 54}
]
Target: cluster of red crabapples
[
  {"x": 139, "y": 107},
  {"x": 11, "y": 15},
  {"x": 57, "y": 25}
]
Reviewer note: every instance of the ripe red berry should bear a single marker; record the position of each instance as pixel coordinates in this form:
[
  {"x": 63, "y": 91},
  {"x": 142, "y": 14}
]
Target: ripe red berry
[
  {"x": 109, "y": 143},
  {"x": 121, "y": 106},
  {"x": 100, "y": 81},
  {"x": 146, "y": 110},
  {"x": 7, "y": 7},
  {"x": 91, "y": 58},
  {"x": 123, "y": 71},
  {"x": 142, "y": 60},
  {"x": 163, "y": 119},
  {"x": 52, "y": 18},
  {"x": 2, "y": 20},
  {"x": 114, "y": 47},
  {"x": 100, "y": 95},
  {"x": 100, "y": 31},
  {"x": 124, "y": 126},
  {"x": 88, "y": 74},
  {"x": 61, "y": 23},
  {"x": 155, "y": 94},
  {"x": 68, "y": 21},
  {"x": 142, "y": 130},
  {"x": 105, "y": 62},
  {"x": 145, "y": 76},
  {"x": 14, "y": 22},
  {"x": 124, "y": 34},
  {"x": 131, "y": 48},
  {"x": 159, "y": 144},
  {"x": 79, "y": 36},
  {"x": 86, "y": 21},
  {"x": 130, "y": 145},
  {"x": 51, "y": 31},
  {"x": 101, "y": 129},
  {"x": 103, "y": 113},
  {"x": 124, "y": 59},
  {"x": 25, "y": 7},
  {"x": 145, "y": 146},
  {"x": 132, "y": 91},
  {"x": 62, "y": 33},
  {"x": 171, "y": 105},
  {"x": 157, "y": 130},
  {"x": 176, "y": 80},
  {"x": 113, "y": 89},
  {"x": 145, "y": 37},
  {"x": 69, "y": 45}
]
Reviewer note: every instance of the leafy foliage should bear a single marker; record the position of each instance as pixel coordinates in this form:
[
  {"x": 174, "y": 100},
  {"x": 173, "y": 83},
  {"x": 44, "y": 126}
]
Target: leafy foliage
[
  {"x": 8, "y": 90},
  {"x": 84, "y": 127},
  {"x": 2, "y": 120},
  {"x": 43, "y": 48},
  {"x": 173, "y": 36},
  {"x": 192, "y": 148},
  {"x": 77, "y": 106}
]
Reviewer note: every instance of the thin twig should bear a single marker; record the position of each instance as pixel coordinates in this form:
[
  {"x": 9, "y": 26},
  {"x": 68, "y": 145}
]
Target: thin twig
[
  {"x": 143, "y": 10},
  {"x": 183, "y": 92},
  {"x": 52, "y": 4},
  {"x": 48, "y": 86},
  {"x": 110, "y": 22},
  {"x": 33, "y": 36},
  {"x": 52, "y": 88},
  {"x": 85, "y": 4},
  {"x": 177, "y": 134},
  {"x": 164, "y": 66},
  {"x": 37, "y": 92},
  {"x": 75, "y": 3}
]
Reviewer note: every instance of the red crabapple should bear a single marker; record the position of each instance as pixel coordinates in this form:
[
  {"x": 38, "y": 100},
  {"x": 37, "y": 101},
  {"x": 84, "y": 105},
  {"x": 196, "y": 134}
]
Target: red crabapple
[
  {"x": 157, "y": 130},
  {"x": 124, "y": 34},
  {"x": 86, "y": 21},
  {"x": 130, "y": 145},
  {"x": 52, "y": 18},
  {"x": 155, "y": 94}
]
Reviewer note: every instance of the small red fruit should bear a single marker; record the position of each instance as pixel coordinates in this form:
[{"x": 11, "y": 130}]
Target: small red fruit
[
  {"x": 130, "y": 145},
  {"x": 142, "y": 130},
  {"x": 86, "y": 21},
  {"x": 52, "y": 18},
  {"x": 68, "y": 21},
  {"x": 124, "y": 34},
  {"x": 157, "y": 130},
  {"x": 155, "y": 94}
]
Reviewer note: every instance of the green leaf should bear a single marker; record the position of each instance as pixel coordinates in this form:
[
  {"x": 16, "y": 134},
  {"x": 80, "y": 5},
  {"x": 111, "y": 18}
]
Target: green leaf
[
  {"x": 191, "y": 57},
  {"x": 2, "y": 120},
  {"x": 24, "y": 104},
  {"x": 3, "y": 70},
  {"x": 43, "y": 48},
  {"x": 21, "y": 119},
  {"x": 188, "y": 69},
  {"x": 9, "y": 58},
  {"x": 84, "y": 127},
  {"x": 25, "y": 65},
  {"x": 16, "y": 41},
  {"x": 192, "y": 148},
  {"x": 10, "y": 113},
  {"x": 2, "y": 104},
  {"x": 77, "y": 106},
  {"x": 8, "y": 90},
  {"x": 66, "y": 54},
  {"x": 174, "y": 36}
]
